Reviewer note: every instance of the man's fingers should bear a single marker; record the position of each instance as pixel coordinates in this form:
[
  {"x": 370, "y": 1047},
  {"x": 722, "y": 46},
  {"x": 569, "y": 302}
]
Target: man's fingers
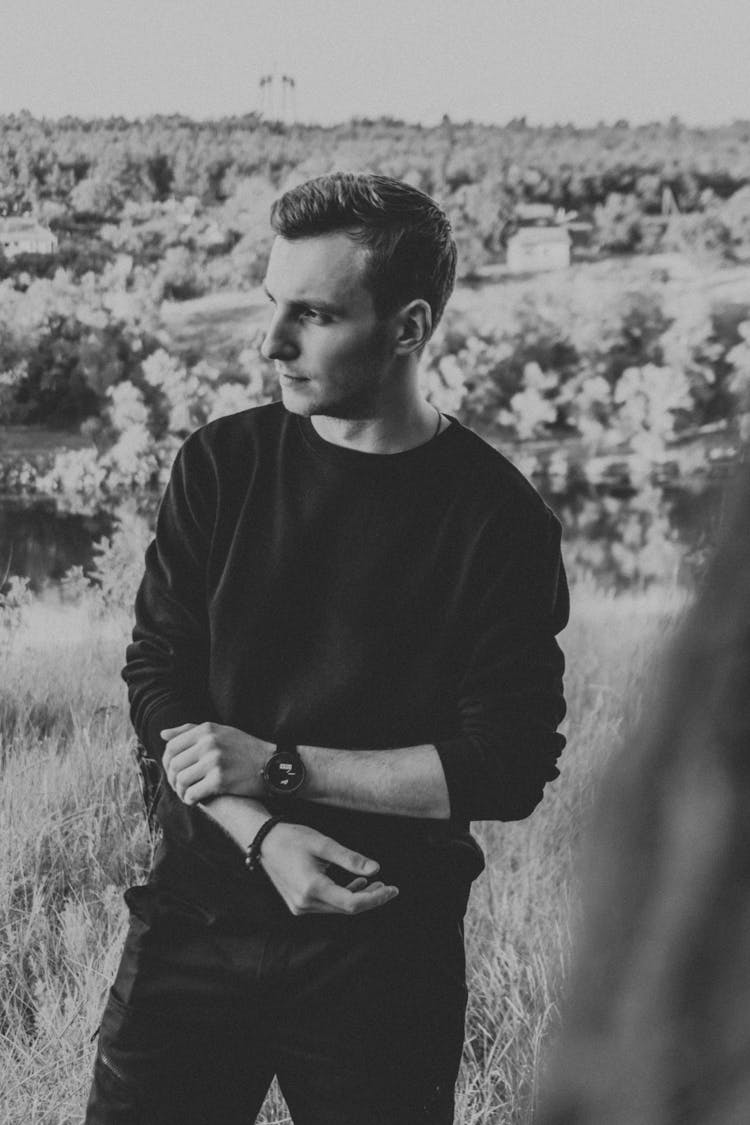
[
  {"x": 189, "y": 775},
  {"x": 360, "y": 883},
  {"x": 179, "y": 761},
  {"x": 201, "y": 791},
  {"x": 178, "y": 739},
  {"x": 170, "y": 732},
  {"x": 339, "y": 899}
]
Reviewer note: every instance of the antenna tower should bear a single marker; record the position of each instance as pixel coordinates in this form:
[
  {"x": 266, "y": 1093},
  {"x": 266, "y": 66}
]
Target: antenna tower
[{"x": 278, "y": 98}]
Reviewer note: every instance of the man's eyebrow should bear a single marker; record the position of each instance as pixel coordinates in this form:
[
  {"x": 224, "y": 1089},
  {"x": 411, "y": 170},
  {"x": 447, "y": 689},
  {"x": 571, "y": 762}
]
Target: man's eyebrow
[{"x": 306, "y": 302}]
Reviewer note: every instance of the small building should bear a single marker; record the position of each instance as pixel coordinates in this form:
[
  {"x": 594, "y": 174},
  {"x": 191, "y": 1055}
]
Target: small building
[
  {"x": 537, "y": 239},
  {"x": 24, "y": 235},
  {"x": 539, "y": 236},
  {"x": 538, "y": 248}
]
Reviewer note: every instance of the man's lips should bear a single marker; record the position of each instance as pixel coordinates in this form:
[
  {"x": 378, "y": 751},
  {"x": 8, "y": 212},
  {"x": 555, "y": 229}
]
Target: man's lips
[{"x": 289, "y": 375}]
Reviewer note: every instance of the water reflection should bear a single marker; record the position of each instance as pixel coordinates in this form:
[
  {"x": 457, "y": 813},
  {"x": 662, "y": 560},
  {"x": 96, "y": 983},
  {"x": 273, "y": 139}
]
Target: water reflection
[
  {"x": 40, "y": 543},
  {"x": 619, "y": 540}
]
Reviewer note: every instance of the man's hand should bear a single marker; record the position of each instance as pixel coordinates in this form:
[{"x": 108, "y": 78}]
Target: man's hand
[
  {"x": 219, "y": 767},
  {"x": 296, "y": 858},
  {"x": 205, "y": 760}
]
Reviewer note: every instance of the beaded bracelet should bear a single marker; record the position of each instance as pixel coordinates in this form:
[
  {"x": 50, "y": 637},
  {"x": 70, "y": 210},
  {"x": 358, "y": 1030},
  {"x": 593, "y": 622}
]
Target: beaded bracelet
[{"x": 253, "y": 848}]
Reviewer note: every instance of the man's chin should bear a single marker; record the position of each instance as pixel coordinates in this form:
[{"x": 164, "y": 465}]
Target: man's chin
[{"x": 294, "y": 397}]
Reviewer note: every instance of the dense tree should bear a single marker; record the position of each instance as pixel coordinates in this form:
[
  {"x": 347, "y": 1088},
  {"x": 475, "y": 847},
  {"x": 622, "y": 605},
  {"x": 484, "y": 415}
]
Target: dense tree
[{"x": 99, "y": 166}]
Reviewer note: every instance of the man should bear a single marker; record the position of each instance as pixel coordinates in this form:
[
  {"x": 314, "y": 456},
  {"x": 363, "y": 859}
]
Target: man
[{"x": 344, "y": 651}]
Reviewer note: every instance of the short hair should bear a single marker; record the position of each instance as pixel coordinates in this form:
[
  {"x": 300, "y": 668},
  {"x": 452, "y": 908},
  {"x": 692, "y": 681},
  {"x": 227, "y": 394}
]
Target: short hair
[{"x": 412, "y": 253}]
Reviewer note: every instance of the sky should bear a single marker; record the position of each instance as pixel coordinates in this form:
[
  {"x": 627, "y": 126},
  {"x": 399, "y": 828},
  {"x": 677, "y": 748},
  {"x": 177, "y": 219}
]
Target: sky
[{"x": 488, "y": 60}]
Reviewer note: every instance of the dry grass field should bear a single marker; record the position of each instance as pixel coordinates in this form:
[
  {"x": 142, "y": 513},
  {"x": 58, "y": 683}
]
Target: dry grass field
[{"x": 72, "y": 837}]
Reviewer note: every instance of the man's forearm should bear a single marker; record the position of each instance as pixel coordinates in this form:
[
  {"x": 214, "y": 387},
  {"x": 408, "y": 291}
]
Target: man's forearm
[
  {"x": 206, "y": 760},
  {"x": 408, "y": 781},
  {"x": 239, "y": 817}
]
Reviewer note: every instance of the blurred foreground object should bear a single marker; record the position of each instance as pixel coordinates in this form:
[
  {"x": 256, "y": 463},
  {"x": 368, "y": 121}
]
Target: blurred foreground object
[{"x": 656, "y": 1029}]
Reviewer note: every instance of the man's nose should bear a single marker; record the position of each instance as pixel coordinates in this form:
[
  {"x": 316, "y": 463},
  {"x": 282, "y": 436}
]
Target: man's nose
[{"x": 279, "y": 341}]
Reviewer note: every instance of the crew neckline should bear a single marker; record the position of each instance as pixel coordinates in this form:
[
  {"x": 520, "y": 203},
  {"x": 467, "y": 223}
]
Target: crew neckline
[{"x": 344, "y": 455}]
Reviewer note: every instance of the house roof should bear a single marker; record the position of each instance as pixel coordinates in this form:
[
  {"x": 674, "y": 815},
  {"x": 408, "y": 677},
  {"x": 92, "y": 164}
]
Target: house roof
[
  {"x": 16, "y": 223},
  {"x": 534, "y": 236},
  {"x": 16, "y": 229},
  {"x": 534, "y": 212}
]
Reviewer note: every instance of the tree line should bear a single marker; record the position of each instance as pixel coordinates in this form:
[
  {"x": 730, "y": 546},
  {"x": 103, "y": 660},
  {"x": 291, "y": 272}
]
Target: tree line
[{"x": 80, "y": 174}]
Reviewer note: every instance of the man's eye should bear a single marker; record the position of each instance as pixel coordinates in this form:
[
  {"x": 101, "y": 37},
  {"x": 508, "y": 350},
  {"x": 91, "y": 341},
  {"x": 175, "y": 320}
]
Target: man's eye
[{"x": 316, "y": 316}]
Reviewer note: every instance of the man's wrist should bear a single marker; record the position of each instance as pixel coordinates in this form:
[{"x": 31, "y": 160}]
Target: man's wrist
[
  {"x": 238, "y": 817},
  {"x": 253, "y": 850}
]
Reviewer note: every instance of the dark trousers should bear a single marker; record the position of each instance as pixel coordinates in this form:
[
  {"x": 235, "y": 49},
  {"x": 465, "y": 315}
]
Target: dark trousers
[{"x": 360, "y": 1018}]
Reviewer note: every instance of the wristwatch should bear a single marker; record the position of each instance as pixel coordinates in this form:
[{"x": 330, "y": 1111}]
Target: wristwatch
[{"x": 284, "y": 773}]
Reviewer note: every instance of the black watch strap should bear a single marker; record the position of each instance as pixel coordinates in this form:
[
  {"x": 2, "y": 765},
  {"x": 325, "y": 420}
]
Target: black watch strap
[{"x": 287, "y": 746}]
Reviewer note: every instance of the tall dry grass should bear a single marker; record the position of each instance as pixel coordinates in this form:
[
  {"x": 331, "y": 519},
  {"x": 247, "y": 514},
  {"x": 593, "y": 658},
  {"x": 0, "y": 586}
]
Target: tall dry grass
[{"x": 72, "y": 836}]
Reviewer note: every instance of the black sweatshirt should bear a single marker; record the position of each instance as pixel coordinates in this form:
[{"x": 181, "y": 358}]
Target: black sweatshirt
[{"x": 299, "y": 589}]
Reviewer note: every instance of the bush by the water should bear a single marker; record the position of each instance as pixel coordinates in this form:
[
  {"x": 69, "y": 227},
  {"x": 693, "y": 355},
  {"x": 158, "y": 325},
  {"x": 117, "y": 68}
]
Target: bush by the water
[
  {"x": 592, "y": 380},
  {"x": 591, "y": 385}
]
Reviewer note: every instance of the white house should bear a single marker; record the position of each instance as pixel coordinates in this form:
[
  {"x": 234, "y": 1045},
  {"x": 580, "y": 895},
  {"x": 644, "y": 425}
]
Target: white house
[
  {"x": 538, "y": 248},
  {"x": 24, "y": 235},
  {"x": 540, "y": 240}
]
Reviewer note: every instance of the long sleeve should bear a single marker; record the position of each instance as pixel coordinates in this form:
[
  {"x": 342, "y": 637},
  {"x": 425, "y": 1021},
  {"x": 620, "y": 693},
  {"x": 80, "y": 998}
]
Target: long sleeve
[
  {"x": 167, "y": 662},
  {"x": 343, "y": 599},
  {"x": 510, "y": 696}
]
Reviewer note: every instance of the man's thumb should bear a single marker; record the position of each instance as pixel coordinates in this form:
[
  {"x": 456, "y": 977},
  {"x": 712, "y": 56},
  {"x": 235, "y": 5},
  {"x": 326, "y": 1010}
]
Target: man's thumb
[{"x": 349, "y": 860}]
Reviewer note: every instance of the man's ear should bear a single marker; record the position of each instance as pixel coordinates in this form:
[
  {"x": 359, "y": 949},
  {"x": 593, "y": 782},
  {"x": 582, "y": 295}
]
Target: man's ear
[{"x": 414, "y": 325}]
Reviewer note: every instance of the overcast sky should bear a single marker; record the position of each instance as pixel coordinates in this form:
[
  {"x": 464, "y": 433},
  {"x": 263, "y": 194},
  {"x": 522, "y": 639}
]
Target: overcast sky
[{"x": 490, "y": 60}]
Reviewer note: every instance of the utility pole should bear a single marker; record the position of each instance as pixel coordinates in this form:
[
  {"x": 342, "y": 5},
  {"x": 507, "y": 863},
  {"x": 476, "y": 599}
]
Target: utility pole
[
  {"x": 289, "y": 110},
  {"x": 278, "y": 98}
]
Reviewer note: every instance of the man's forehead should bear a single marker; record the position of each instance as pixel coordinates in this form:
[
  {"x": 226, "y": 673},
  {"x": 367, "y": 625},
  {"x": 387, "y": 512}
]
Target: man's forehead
[{"x": 329, "y": 266}]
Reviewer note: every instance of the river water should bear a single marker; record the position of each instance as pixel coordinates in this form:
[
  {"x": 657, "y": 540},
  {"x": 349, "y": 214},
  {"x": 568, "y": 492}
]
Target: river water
[{"x": 41, "y": 544}]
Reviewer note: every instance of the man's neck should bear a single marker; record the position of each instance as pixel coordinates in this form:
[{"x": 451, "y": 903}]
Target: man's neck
[{"x": 386, "y": 433}]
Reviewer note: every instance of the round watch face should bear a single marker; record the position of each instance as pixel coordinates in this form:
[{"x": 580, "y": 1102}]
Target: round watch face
[{"x": 284, "y": 773}]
